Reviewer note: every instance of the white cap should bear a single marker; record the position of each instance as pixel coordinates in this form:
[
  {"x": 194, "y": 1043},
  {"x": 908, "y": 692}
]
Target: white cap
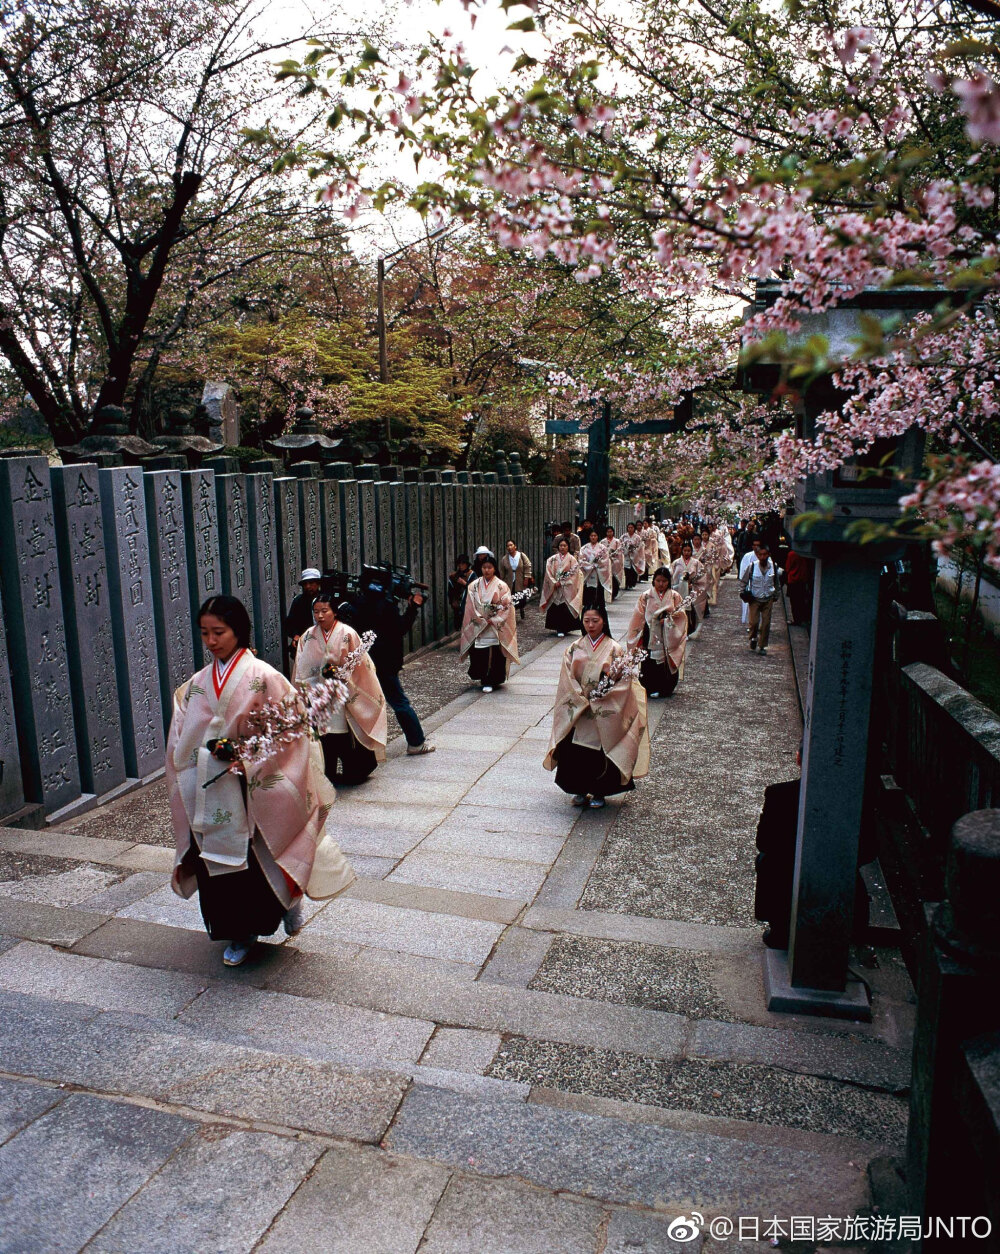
[
  {"x": 310, "y": 572},
  {"x": 483, "y": 549}
]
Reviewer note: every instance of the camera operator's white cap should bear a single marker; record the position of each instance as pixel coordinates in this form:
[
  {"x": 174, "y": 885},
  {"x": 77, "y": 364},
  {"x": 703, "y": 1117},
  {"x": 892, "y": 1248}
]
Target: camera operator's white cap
[
  {"x": 483, "y": 549},
  {"x": 310, "y": 572}
]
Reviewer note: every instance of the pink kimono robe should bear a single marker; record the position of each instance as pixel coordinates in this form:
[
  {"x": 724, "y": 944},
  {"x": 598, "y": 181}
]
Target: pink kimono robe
[
  {"x": 635, "y": 547},
  {"x": 488, "y": 608},
  {"x": 365, "y": 712},
  {"x": 563, "y": 583},
  {"x": 692, "y": 573},
  {"x": 668, "y": 627},
  {"x": 287, "y": 798},
  {"x": 596, "y": 560},
  {"x": 617, "y": 555},
  {"x": 614, "y": 725},
  {"x": 651, "y": 539}
]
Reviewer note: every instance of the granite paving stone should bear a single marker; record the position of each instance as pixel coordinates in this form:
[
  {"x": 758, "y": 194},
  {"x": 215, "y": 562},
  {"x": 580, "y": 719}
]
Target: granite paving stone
[
  {"x": 520, "y": 880},
  {"x": 45, "y": 972},
  {"x": 179, "y": 1211},
  {"x": 15, "y": 864},
  {"x": 66, "y": 1174},
  {"x": 55, "y": 925},
  {"x": 729, "y": 1090},
  {"x": 632, "y": 974},
  {"x": 359, "y": 1199},
  {"x": 126, "y": 892},
  {"x": 556, "y": 821},
  {"x": 438, "y": 900},
  {"x": 516, "y": 959},
  {"x": 59, "y": 844},
  {"x": 165, "y": 907},
  {"x": 506, "y": 1217},
  {"x": 408, "y": 931},
  {"x": 372, "y": 841},
  {"x": 514, "y": 846},
  {"x": 415, "y": 820},
  {"x": 461, "y": 1049},
  {"x": 270, "y": 1020},
  {"x": 21, "y": 1103},
  {"x": 622, "y": 927},
  {"x": 631, "y": 1232},
  {"x": 119, "y": 1053},
  {"x": 369, "y": 867},
  {"x": 61, "y": 888},
  {"x": 853, "y": 1059},
  {"x": 385, "y": 790},
  {"x": 628, "y": 1163},
  {"x": 146, "y": 858}
]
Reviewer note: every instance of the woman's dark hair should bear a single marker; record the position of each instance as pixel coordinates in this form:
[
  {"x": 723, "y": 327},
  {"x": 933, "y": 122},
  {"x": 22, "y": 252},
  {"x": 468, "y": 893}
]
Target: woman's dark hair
[
  {"x": 687, "y": 545},
  {"x": 462, "y": 557},
  {"x": 596, "y": 609},
  {"x": 325, "y": 598},
  {"x": 233, "y": 613},
  {"x": 662, "y": 570}
]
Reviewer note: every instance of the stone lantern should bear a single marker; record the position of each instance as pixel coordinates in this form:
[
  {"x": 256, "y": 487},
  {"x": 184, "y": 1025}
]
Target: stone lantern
[
  {"x": 305, "y": 441},
  {"x": 110, "y": 443},
  {"x": 180, "y": 439},
  {"x": 812, "y": 975}
]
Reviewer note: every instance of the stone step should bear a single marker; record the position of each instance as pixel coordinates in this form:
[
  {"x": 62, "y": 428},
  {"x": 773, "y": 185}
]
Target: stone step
[{"x": 614, "y": 1158}]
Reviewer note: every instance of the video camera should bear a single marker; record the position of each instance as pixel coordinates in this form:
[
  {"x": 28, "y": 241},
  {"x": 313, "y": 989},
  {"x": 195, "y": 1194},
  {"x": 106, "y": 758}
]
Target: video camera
[{"x": 352, "y": 591}]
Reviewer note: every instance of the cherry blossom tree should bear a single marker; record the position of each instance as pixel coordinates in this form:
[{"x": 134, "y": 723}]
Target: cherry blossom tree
[
  {"x": 693, "y": 151},
  {"x": 130, "y": 188}
]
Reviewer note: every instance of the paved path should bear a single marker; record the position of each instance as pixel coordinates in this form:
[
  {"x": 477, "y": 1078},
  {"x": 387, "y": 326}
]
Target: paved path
[{"x": 525, "y": 1029}]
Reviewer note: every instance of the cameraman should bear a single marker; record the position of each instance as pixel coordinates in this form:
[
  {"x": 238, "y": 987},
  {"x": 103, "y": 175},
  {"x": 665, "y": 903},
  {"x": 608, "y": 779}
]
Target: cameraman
[{"x": 381, "y": 615}]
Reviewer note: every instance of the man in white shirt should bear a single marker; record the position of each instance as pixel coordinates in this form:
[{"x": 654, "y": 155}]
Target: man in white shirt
[
  {"x": 762, "y": 580},
  {"x": 746, "y": 561}
]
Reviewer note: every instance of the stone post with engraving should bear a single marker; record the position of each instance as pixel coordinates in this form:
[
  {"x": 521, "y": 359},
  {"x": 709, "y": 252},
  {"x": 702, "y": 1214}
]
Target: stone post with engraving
[
  {"x": 264, "y": 568},
  {"x": 126, "y": 543},
  {"x": 89, "y": 634},
  {"x": 36, "y": 634},
  {"x": 169, "y": 581},
  {"x": 201, "y": 531},
  {"x": 234, "y": 539},
  {"x": 11, "y": 785}
]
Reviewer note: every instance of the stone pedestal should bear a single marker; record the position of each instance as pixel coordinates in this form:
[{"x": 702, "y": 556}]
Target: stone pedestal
[
  {"x": 412, "y": 505},
  {"x": 201, "y": 531},
  {"x": 305, "y": 470},
  {"x": 812, "y": 977},
  {"x": 169, "y": 579},
  {"x": 89, "y": 635},
  {"x": 463, "y": 476},
  {"x": 265, "y": 572},
  {"x": 36, "y": 634},
  {"x": 338, "y": 470},
  {"x": 126, "y": 542},
  {"x": 411, "y": 474}
]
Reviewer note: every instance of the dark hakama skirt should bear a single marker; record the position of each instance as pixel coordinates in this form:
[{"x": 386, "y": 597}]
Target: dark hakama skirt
[
  {"x": 488, "y": 666},
  {"x": 580, "y": 770},
  {"x": 357, "y": 761},
  {"x": 631, "y": 577},
  {"x": 561, "y": 618},
  {"x": 658, "y": 677},
  {"x": 238, "y": 905},
  {"x": 615, "y": 587},
  {"x": 594, "y": 598}
]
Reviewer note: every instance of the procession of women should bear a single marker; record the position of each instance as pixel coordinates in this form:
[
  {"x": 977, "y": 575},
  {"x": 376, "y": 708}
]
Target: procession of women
[{"x": 255, "y": 757}]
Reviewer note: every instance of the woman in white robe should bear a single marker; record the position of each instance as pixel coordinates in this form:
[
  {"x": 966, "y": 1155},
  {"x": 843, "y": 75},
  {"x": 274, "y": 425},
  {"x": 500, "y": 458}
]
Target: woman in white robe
[
  {"x": 595, "y": 562},
  {"x": 489, "y": 629}
]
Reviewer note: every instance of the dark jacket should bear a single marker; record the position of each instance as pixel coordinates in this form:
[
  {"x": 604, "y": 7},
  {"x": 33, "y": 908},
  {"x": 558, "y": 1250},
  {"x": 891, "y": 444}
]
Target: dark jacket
[
  {"x": 390, "y": 625},
  {"x": 299, "y": 617}
]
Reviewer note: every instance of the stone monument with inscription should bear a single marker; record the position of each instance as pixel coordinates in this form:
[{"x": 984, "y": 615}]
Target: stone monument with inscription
[
  {"x": 36, "y": 633},
  {"x": 169, "y": 580},
  {"x": 11, "y": 786},
  {"x": 90, "y": 640},
  {"x": 201, "y": 531},
  {"x": 126, "y": 543},
  {"x": 234, "y": 538},
  {"x": 265, "y": 573}
]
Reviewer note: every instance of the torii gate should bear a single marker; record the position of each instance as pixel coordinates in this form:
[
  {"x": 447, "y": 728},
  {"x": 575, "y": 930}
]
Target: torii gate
[{"x": 600, "y": 434}]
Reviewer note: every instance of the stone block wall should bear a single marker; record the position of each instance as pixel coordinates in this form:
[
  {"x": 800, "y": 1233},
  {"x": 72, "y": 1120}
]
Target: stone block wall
[{"x": 102, "y": 573}]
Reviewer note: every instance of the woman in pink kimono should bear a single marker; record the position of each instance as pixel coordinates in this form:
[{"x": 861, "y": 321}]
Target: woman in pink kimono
[
  {"x": 599, "y": 745},
  {"x": 595, "y": 563},
  {"x": 688, "y": 577},
  {"x": 562, "y": 591},
  {"x": 651, "y": 539},
  {"x": 660, "y": 626},
  {"x": 251, "y": 840},
  {"x": 614, "y": 547},
  {"x": 355, "y": 733},
  {"x": 489, "y": 629},
  {"x": 633, "y": 555}
]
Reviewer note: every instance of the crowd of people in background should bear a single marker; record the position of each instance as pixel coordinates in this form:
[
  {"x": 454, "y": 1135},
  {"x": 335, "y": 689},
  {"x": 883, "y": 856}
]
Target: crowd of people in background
[{"x": 255, "y": 845}]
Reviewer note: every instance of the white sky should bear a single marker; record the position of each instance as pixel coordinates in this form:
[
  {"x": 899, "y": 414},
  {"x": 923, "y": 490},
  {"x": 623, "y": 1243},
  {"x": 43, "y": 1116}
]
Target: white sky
[{"x": 410, "y": 23}]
